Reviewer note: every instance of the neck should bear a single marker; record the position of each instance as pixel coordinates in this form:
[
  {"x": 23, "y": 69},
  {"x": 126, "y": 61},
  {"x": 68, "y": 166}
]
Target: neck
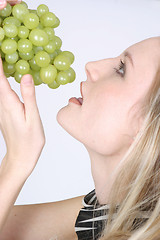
[{"x": 102, "y": 168}]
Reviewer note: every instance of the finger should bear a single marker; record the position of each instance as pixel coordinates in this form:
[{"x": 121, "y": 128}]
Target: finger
[
  {"x": 13, "y": 2},
  {"x": 4, "y": 84},
  {"x": 3, "y": 4},
  {"x": 29, "y": 98}
]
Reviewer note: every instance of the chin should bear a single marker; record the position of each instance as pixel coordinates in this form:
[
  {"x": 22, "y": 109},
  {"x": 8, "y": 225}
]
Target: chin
[
  {"x": 69, "y": 122},
  {"x": 60, "y": 117}
]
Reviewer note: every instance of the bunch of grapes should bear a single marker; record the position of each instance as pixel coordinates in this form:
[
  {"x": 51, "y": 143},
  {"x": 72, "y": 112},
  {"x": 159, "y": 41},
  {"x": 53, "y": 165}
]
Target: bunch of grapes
[{"x": 28, "y": 45}]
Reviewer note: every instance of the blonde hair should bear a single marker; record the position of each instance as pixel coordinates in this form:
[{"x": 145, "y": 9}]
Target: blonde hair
[{"x": 138, "y": 179}]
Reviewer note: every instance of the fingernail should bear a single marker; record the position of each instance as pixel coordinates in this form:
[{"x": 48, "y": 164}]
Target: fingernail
[
  {"x": 2, "y": 2},
  {"x": 27, "y": 80},
  {"x": 13, "y": 2}
]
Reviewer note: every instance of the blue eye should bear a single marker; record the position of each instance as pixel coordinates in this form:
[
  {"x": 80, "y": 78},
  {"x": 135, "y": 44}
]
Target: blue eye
[{"x": 121, "y": 66}]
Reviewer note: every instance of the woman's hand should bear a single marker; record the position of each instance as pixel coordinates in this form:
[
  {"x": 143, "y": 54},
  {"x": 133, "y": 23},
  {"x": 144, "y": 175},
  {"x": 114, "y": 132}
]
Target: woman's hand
[
  {"x": 20, "y": 124},
  {"x": 3, "y": 3}
]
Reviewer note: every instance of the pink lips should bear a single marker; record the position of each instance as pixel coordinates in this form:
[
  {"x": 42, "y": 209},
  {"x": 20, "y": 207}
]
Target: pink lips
[
  {"x": 81, "y": 89},
  {"x": 76, "y": 100},
  {"x": 79, "y": 100}
]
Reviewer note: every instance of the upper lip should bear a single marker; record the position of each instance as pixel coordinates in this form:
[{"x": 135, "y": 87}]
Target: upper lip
[{"x": 81, "y": 89}]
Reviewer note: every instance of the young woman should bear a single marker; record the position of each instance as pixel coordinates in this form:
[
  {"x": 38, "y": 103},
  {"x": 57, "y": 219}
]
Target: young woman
[{"x": 119, "y": 124}]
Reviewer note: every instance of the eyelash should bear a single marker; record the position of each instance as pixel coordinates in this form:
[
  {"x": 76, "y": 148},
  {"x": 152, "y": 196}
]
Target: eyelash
[{"x": 121, "y": 65}]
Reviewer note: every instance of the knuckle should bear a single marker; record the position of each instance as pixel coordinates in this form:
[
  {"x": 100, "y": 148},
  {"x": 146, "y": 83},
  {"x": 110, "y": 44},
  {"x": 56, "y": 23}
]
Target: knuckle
[
  {"x": 44, "y": 141},
  {"x": 1, "y": 86},
  {"x": 7, "y": 103},
  {"x": 36, "y": 134}
]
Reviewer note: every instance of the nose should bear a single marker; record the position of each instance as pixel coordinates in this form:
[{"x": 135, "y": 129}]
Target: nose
[
  {"x": 91, "y": 72},
  {"x": 96, "y": 70}
]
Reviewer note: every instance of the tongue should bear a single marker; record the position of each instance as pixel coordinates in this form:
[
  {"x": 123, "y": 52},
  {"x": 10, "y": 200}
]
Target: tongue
[{"x": 80, "y": 100}]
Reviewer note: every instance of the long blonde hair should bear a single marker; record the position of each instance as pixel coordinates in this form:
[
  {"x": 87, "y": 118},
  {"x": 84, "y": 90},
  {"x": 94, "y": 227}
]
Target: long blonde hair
[{"x": 138, "y": 179}]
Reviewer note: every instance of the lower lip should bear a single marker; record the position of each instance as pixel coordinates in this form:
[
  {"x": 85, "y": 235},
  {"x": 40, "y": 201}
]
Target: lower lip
[{"x": 74, "y": 100}]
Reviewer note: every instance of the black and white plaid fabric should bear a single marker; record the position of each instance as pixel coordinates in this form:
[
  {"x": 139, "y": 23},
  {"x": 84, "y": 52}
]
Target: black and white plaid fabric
[{"x": 92, "y": 218}]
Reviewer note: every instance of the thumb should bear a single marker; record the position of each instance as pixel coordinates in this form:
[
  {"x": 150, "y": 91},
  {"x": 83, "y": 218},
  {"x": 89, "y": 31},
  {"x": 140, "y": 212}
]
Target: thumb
[{"x": 28, "y": 95}]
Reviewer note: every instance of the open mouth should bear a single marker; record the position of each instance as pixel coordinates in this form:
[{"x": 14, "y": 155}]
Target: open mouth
[{"x": 78, "y": 101}]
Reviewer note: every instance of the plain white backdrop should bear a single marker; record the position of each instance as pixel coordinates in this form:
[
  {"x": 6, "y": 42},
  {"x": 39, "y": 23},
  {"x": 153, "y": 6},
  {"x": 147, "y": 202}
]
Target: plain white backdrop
[{"x": 92, "y": 30}]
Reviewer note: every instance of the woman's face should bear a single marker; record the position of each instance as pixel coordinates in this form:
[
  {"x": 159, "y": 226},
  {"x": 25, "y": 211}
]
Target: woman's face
[{"x": 108, "y": 117}]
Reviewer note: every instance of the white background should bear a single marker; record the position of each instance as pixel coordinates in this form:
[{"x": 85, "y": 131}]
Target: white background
[{"x": 92, "y": 30}]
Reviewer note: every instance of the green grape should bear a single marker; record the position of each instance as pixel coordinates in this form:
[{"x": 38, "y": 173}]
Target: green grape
[
  {"x": 62, "y": 62},
  {"x": 7, "y": 75},
  {"x": 24, "y": 3},
  {"x": 5, "y": 12},
  {"x": 50, "y": 47},
  {"x": 48, "y": 19},
  {"x": 19, "y": 11},
  {"x": 33, "y": 65},
  {"x": 58, "y": 42},
  {"x": 38, "y": 37},
  {"x": 53, "y": 85},
  {"x": 24, "y": 45},
  {"x": 28, "y": 45},
  {"x": 23, "y": 32},
  {"x": 27, "y": 56},
  {"x": 58, "y": 51},
  {"x": 15, "y": 38},
  {"x": 40, "y": 26},
  {"x": 50, "y": 32},
  {"x": 2, "y": 34},
  {"x": 57, "y": 23},
  {"x": 22, "y": 67},
  {"x": 2, "y": 54},
  {"x": 37, "y": 49},
  {"x": 12, "y": 58},
  {"x": 42, "y": 59},
  {"x": 42, "y": 9},
  {"x": 12, "y": 20},
  {"x": 10, "y": 30},
  {"x": 71, "y": 74},
  {"x": 36, "y": 78},
  {"x": 8, "y": 68},
  {"x": 48, "y": 74},
  {"x": 12, "y": 75},
  {"x": 31, "y": 20},
  {"x": 69, "y": 55},
  {"x": 9, "y": 46},
  {"x": 18, "y": 76},
  {"x": 1, "y": 21},
  {"x": 62, "y": 78},
  {"x": 53, "y": 55},
  {"x": 32, "y": 11}
]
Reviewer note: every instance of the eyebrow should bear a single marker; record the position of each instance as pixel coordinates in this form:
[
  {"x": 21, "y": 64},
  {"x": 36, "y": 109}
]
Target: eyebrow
[{"x": 128, "y": 54}]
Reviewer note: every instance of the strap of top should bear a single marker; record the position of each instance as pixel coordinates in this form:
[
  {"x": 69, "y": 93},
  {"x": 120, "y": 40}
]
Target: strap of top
[
  {"x": 90, "y": 221},
  {"x": 92, "y": 218}
]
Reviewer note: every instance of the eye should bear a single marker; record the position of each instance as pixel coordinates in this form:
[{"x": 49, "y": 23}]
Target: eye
[{"x": 122, "y": 66}]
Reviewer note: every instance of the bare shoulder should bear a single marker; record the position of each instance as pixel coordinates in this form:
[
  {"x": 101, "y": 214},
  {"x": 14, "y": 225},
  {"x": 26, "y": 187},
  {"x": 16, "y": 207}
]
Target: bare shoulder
[{"x": 50, "y": 221}]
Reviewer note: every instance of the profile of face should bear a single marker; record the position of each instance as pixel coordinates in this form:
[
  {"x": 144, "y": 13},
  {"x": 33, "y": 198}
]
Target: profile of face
[{"x": 109, "y": 116}]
